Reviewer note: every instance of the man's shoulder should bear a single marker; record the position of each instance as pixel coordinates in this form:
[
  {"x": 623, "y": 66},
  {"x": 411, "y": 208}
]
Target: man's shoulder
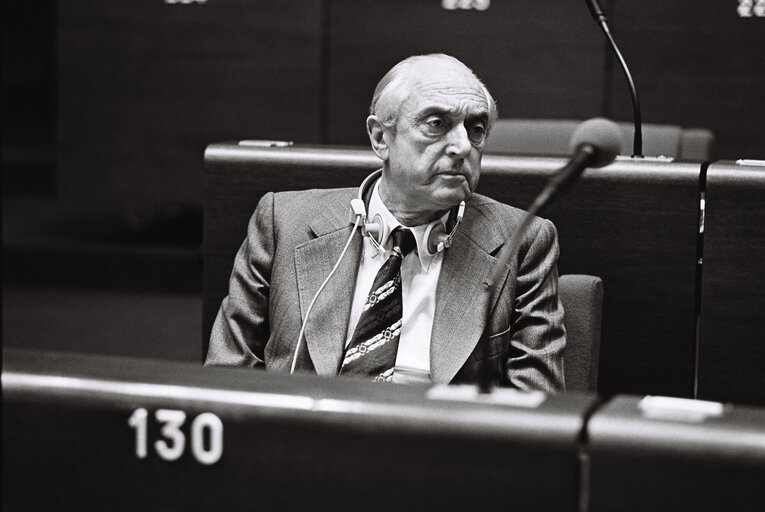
[
  {"x": 296, "y": 210},
  {"x": 490, "y": 220},
  {"x": 493, "y": 208},
  {"x": 310, "y": 202},
  {"x": 315, "y": 195}
]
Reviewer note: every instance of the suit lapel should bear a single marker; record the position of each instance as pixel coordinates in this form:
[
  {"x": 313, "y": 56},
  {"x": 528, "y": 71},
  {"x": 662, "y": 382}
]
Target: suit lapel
[
  {"x": 462, "y": 295},
  {"x": 326, "y": 329}
]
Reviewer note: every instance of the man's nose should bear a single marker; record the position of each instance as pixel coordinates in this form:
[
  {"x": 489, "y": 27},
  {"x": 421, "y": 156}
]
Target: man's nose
[{"x": 459, "y": 143}]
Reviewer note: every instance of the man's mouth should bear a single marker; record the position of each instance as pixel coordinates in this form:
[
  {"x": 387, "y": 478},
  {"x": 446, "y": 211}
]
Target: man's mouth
[{"x": 455, "y": 172}]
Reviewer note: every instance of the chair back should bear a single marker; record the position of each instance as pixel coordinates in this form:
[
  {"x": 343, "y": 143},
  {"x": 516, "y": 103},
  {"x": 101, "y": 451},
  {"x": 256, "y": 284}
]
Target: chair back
[
  {"x": 552, "y": 136},
  {"x": 582, "y": 298}
]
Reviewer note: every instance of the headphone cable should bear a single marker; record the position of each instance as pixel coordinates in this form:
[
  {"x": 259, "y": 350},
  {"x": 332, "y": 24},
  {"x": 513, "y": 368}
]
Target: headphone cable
[{"x": 316, "y": 296}]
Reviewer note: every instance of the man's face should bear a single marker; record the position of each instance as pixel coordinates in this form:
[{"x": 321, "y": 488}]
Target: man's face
[{"x": 434, "y": 157}]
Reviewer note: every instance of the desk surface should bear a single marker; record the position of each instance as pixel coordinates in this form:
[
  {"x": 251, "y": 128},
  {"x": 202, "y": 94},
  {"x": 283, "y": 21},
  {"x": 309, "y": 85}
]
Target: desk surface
[
  {"x": 659, "y": 453},
  {"x": 98, "y": 431}
]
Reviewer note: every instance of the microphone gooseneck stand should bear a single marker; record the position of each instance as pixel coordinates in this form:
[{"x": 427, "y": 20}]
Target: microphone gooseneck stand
[
  {"x": 585, "y": 154},
  {"x": 600, "y": 18},
  {"x": 595, "y": 144}
]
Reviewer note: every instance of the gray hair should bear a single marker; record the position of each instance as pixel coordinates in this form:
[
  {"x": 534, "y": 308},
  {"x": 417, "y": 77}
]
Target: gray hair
[{"x": 392, "y": 90}]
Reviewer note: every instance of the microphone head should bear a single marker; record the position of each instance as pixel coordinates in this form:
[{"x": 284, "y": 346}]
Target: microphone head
[{"x": 603, "y": 135}]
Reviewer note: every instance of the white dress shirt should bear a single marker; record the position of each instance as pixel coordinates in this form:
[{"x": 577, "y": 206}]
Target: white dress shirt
[{"x": 419, "y": 279}]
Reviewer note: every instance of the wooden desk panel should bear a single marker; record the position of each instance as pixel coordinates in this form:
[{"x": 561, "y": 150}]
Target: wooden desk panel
[
  {"x": 732, "y": 327},
  {"x": 634, "y": 224},
  {"x": 651, "y": 454},
  {"x": 71, "y": 441}
]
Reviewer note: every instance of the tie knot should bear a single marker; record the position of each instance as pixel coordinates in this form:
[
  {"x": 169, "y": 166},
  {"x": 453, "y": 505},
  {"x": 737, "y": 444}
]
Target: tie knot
[{"x": 403, "y": 239}]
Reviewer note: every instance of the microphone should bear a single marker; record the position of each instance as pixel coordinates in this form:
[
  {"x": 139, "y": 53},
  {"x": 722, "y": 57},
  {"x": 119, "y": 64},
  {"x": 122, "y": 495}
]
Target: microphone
[
  {"x": 600, "y": 18},
  {"x": 595, "y": 143},
  {"x": 596, "y": 11}
]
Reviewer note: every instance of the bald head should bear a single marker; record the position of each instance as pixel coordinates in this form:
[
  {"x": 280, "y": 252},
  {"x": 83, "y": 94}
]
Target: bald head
[
  {"x": 428, "y": 123},
  {"x": 413, "y": 73}
]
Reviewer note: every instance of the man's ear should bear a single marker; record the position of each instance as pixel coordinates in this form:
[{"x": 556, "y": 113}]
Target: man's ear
[{"x": 376, "y": 132}]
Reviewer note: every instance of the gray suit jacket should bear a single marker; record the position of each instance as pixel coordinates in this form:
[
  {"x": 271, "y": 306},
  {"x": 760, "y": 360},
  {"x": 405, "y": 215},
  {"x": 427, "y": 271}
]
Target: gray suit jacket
[{"x": 294, "y": 240}]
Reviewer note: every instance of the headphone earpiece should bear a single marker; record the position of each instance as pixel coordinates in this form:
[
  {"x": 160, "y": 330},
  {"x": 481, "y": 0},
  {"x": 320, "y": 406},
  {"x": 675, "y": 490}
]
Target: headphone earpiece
[
  {"x": 377, "y": 230},
  {"x": 438, "y": 239}
]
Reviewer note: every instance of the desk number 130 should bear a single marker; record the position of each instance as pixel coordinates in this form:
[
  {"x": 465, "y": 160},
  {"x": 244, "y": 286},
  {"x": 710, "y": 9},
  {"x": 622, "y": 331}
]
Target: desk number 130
[{"x": 173, "y": 444}]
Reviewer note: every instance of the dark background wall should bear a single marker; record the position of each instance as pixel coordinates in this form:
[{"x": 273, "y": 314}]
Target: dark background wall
[
  {"x": 113, "y": 101},
  {"x": 696, "y": 64},
  {"x": 538, "y": 59}
]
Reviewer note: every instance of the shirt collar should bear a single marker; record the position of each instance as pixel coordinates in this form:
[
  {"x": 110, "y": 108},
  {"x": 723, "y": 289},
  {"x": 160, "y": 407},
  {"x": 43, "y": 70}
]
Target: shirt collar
[{"x": 377, "y": 207}]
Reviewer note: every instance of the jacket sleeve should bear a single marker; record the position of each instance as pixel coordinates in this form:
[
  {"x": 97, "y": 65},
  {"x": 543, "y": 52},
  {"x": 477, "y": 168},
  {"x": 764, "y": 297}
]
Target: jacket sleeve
[
  {"x": 241, "y": 329},
  {"x": 535, "y": 359}
]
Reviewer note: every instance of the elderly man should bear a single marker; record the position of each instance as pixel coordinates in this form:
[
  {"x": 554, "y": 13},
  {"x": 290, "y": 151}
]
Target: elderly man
[{"x": 400, "y": 293}]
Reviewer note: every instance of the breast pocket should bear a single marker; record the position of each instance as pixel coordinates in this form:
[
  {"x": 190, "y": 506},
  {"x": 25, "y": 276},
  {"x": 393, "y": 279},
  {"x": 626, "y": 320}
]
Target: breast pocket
[{"x": 494, "y": 346}]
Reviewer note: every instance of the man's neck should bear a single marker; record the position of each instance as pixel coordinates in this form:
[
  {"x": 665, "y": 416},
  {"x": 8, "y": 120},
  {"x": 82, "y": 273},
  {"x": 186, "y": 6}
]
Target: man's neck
[{"x": 407, "y": 216}]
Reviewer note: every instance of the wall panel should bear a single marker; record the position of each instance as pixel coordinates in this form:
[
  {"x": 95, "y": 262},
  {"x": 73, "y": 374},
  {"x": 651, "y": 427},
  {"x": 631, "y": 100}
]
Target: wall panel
[
  {"x": 538, "y": 59},
  {"x": 144, "y": 86},
  {"x": 695, "y": 64}
]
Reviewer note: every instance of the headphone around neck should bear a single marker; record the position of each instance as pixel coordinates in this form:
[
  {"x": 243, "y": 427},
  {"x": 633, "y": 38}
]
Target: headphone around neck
[{"x": 378, "y": 230}]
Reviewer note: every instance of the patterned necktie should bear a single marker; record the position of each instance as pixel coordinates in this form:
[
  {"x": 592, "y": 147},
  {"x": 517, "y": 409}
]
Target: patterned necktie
[{"x": 373, "y": 348}]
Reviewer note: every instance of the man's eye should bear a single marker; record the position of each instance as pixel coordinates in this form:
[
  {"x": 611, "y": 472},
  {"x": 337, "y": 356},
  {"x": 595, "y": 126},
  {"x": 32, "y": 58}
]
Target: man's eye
[
  {"x": 436, "y": 123},
  {"x": 477, "y": 132}
]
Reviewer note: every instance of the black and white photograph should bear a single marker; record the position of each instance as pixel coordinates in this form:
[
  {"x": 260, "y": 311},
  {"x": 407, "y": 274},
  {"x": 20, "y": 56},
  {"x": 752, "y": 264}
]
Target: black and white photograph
[{"x": 380, "y": 255}]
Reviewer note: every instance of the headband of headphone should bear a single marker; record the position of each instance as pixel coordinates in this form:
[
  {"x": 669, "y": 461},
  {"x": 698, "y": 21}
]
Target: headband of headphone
[{"x": 378, "y": 230}]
